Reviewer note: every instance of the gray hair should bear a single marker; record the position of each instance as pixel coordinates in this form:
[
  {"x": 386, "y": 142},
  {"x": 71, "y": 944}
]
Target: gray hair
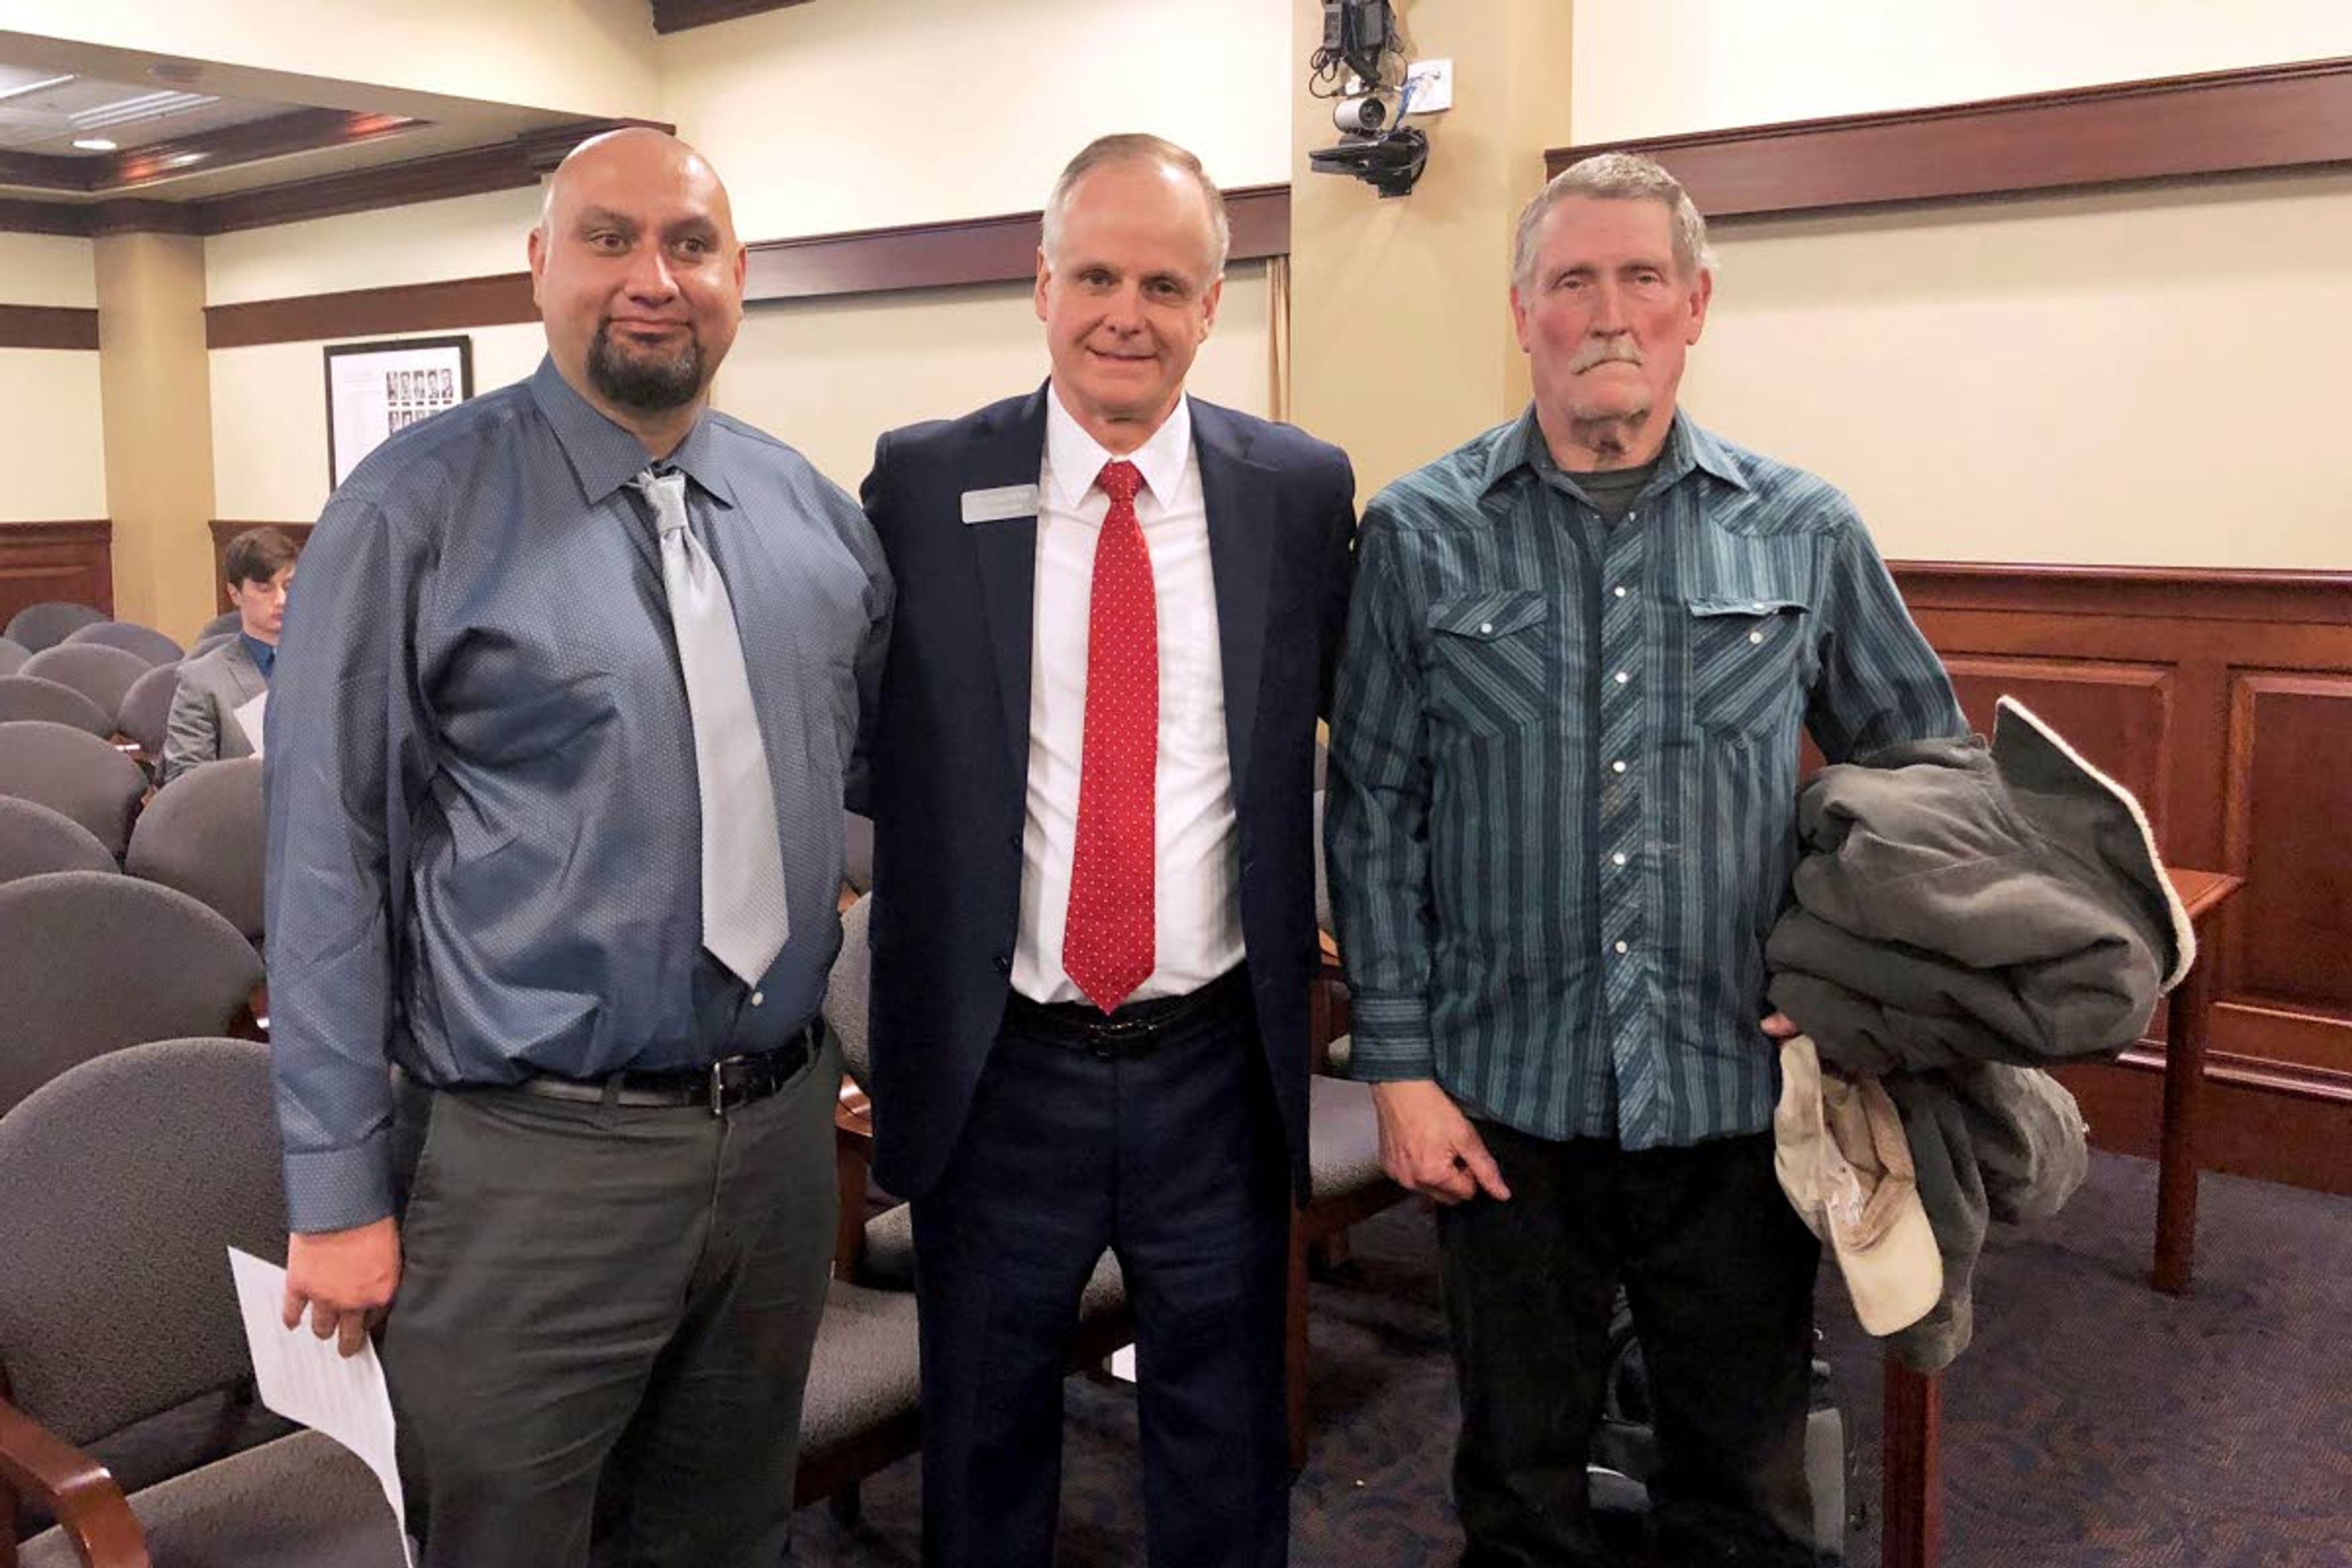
[
  {"x": 1615, "y": 177},
  {"x": 1130, "y": 147}
]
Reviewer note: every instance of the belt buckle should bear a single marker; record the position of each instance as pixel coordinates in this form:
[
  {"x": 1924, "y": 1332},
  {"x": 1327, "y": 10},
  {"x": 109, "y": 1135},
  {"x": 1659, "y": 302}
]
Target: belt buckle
[
  {"x": 1134, "y": 1036},
  {"x": 721, "y": 1084}
]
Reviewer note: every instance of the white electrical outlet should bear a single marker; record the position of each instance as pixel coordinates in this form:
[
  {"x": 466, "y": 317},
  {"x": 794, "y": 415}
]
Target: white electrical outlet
[{"x": 1432, "y": 82}]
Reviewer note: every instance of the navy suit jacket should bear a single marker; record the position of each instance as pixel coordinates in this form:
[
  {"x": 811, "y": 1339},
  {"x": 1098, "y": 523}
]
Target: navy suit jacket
[{"x": 949, "y": 750}]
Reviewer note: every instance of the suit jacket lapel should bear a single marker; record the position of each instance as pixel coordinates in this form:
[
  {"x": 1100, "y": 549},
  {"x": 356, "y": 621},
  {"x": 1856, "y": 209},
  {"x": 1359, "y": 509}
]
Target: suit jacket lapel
[
  {"x": 1005, "y": 557},
  {"x": 245, "y": 676},
  {"x": 1239, "y": 496}
]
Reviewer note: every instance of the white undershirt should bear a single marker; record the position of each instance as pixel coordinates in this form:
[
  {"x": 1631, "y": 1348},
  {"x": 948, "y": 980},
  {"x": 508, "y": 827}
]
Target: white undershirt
[{"x": 1197, "y": 918}]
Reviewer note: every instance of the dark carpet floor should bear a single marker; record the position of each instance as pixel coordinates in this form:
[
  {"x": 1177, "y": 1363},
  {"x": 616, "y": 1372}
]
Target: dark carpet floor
[{"x": 2094, "y": 1425}]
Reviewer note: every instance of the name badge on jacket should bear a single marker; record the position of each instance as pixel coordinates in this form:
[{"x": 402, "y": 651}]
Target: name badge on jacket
[{"x": 1000, "y": 505}]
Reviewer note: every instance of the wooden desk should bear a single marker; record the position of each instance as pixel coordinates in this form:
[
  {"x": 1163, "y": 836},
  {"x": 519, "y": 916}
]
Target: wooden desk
[
  {"x": 1911, "y": 1505},
  {"x": 2202, "y": 893}
]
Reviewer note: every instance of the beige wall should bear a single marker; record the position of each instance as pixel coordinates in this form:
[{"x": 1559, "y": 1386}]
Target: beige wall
[
  {"x": 967, "y": 136},
  {"x": 47, "y": 269},
  {"x": 849, "y": 114},
  {"x": 269, "y": 419},
  {"x": 1664, "y": 66},
  {"x": 151, "y": 295},
  {"x": 1401, "y": 332},
  {"x": 829, "y": 375},
  {"x": 52, "y": 423},
  {"x": 52, "y": 435},
  {"x": 2023, "y": 379},
  {"x": 464, "y": 236},
  {"x": 592, "y": 58},
  {"x": 2144, "y": 377}
]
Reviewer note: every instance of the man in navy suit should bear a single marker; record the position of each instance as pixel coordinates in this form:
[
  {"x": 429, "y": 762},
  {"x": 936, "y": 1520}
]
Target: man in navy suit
[{"x": 1118, "y": 610}]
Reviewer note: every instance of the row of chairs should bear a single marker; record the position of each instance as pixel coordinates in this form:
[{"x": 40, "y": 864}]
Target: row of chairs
[
  {"x": 54, "y": 621},
  {"x": 98, "y": 687}
]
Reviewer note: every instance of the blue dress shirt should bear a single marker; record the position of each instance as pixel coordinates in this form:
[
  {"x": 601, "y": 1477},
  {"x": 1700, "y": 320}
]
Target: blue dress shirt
[
  {"x": 264, "y": 654},
  {"x": 484, "y": 838}
]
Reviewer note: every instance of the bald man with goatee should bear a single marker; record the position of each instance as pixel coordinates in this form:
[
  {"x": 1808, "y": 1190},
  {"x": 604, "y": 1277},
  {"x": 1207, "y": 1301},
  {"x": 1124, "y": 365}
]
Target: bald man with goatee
[{"x": 555, "y": 771}]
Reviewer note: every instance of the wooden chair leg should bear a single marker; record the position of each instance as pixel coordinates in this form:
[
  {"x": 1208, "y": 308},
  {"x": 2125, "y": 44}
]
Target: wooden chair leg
[
  {"x": 1912, "y": 1503},
  {"x": 1295, "y": 1347}
]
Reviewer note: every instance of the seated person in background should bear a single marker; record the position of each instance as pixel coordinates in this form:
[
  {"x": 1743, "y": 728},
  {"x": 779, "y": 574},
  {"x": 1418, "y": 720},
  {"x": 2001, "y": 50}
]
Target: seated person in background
[{"x": 203, "y": 727}]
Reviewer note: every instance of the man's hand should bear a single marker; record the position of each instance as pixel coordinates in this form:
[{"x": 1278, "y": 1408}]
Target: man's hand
[
  {"x": 1429, "y": 1147},
  {"x": 346, "y": 1278},
  {"x": 1780, "y": 1026}
]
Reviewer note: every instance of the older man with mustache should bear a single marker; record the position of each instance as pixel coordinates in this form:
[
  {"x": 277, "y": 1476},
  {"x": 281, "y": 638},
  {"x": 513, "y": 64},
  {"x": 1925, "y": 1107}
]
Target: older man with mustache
[
  {"x": 1562, "y": 818},
  {"x": 556, "y": 766}
]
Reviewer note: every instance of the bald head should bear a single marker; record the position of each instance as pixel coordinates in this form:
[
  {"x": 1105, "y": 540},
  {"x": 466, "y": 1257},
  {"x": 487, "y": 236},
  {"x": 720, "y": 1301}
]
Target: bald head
[{"x": 638, "y": 276}]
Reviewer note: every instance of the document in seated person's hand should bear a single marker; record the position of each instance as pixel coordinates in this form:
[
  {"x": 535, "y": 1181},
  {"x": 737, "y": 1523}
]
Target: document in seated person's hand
[{"x": 248, "y": 719}]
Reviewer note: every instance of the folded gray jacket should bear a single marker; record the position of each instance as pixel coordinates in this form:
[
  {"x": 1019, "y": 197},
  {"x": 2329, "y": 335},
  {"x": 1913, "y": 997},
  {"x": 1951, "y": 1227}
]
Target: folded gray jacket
[{"x": 1957, "y": 907}]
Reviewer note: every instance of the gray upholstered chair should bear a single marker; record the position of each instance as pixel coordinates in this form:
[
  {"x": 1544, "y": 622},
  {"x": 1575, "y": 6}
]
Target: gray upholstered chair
[
  {"x": 130, "y": 637},
  {"x": 229, "y": 622},
  {"x": 102, "y": 674},
  {"x": 34, "y": 839},
  {"x": 147, "y": 707},
  {"x": 209, "y": 641},
  {"x": 74, "y": 772},
  {"x": 91, "y": 962},
  {"x": 857, "y": 852},
  {"x": 122, "y": 1184},
  {"x": 862, "y": 1410},
  {"x": 31, "y": 697},
  {"x": 205, "y": 837},
  {"x": 50, "y": 622},
  {"x": 12, "y": 655}
]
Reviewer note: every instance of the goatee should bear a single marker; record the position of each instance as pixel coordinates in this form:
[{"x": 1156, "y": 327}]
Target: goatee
[{"x": 646, "y": 383}]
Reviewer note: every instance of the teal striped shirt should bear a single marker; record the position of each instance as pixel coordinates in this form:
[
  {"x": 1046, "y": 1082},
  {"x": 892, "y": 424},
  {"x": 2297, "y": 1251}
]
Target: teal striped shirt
[{"x": 1563, "y": 780}]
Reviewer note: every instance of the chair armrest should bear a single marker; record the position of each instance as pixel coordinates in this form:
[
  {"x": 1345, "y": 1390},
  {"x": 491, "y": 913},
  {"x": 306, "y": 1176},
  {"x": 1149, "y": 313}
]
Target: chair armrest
[
  {"x": 90, "y": 1506},
  {"x": 853, "y": 1157}
]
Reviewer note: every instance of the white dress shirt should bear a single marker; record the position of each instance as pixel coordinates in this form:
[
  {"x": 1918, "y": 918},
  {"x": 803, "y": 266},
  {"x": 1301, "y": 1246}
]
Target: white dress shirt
[{"x": 1198, "y": 919}]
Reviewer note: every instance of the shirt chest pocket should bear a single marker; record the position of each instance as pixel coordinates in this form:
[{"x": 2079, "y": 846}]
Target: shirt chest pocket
[
  {"x": 1491, "y": 661},
  {"x": 1748, "y": 666}
]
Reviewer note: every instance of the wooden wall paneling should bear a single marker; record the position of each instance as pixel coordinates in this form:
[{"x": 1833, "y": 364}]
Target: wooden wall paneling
[
  {"x": 406, "y": 308},
  {"x": 43, "y": 561},
  {"x": 2224, "y": 701},
  {"x": 2263, "y": 118},
  {"x": 2119, "y": 716},
  {"x": 2289, "y": 800},
  {"x": 224, "y": 530}
]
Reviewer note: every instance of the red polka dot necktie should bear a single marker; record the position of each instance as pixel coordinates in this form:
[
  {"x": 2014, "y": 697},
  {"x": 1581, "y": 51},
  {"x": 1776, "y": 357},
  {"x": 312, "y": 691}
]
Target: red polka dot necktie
[{"x": 1107, "y": 945}]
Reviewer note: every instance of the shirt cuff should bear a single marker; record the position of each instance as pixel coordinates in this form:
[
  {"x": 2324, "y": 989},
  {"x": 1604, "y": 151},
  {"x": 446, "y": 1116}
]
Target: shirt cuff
[
  {"x": 336, "y": 1189},
  {"x": 1389, "y": 1039}
]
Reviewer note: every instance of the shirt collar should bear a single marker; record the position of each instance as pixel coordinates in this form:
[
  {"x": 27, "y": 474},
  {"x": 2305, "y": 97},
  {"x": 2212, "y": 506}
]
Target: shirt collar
[
  {"x": 1073, "y": 459},
  {"x": 604, "y": 456},
  {"x": 264, "y": 654},
  {"x": 1688, "y": 446}
]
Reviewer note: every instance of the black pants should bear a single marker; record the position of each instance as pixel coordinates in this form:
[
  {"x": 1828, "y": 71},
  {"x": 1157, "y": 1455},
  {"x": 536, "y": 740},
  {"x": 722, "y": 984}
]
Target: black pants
[
  {"x": 584, "y": 1281},
  {"x": 1173, "y": 1160},
  {"x": 1720, "y": 1273}
]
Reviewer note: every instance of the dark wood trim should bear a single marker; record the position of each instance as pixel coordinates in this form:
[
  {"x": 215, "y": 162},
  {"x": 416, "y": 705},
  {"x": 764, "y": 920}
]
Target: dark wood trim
[
  {"x": 2174, "y": 593},
  {"x": 41, "y": 561},
  {"x": 373, "y": 313},
  {"x": 248, "y": 141},
  {"x": 48, "y": 327},
  {"x": 920, "y": 256},
  {"x": 512, "y": 164},
  {"x": 2294, "y": 116},
  {"x": 677, "y": 16},
  {"x": 21, "y": 216},
  {"x": 80, "y": 531},
  {"x": 968, "y": 250}
]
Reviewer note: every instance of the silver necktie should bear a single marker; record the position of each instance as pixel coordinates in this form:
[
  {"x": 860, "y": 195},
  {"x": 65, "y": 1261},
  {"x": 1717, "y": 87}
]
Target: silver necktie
[{"x": 744, "y": 920}]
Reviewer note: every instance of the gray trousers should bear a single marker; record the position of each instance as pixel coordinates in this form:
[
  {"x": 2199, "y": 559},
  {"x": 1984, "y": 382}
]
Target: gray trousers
[{"x": 592, "y": 1287}]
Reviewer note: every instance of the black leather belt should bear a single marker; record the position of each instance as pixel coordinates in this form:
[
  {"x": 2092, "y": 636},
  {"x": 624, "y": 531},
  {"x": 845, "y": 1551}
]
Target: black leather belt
[
  {"x": 1136, "y": 1029},
  {"x": 718, "y": 1088}
]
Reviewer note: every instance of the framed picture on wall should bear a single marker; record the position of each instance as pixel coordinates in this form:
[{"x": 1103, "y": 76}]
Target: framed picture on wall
[{"x": 376, "y": 389}]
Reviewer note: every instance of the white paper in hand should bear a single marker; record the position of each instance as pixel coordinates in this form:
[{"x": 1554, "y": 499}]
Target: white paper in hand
[
  {"x": 248, "y": 719},
  {"x": 305, "y": 1378}
]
